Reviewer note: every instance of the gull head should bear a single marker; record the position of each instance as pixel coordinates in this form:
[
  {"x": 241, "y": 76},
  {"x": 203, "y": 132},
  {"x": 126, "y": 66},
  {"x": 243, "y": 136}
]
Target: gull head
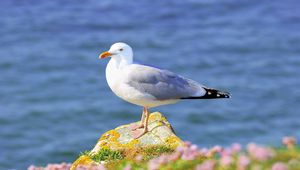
[{"x": 119, "y": 51}]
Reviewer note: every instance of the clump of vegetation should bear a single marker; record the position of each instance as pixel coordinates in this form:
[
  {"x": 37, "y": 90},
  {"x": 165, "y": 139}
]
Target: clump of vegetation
[
  {"x": 84, "y": 153},
  {"x": 147, "y": 153},
  {"x": 235, "y": 157},
  {"x": 104, "y": 155},
  {"x": 119, "y": 158}
]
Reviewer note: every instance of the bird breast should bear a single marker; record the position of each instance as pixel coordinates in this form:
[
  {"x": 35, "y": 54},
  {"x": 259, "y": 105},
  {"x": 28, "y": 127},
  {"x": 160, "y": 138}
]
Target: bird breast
[
  {"x": 112, "y": 75},
  {"x": 115, "y": 76}
]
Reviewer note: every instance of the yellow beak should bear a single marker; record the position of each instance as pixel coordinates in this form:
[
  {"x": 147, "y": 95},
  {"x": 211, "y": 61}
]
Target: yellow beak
[{"x": 105, "y": 54}]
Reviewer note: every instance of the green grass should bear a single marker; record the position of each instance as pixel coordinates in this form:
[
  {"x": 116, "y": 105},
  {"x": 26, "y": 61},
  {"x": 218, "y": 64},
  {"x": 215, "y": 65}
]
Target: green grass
[
  {"x": 155, "y": 151},
  {"x": 107, "y": 155},
  {"x": 84, "y": 153}
]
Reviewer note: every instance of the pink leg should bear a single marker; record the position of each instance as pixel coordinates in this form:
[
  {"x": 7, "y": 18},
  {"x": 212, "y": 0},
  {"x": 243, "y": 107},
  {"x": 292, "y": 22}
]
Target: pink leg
[
  {"x": 141, "y": 125},
  {"x": 138, "y": 134}
]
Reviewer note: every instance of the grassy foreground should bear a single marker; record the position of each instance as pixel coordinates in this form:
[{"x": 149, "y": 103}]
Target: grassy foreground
[{"x": 252, "y": 157}]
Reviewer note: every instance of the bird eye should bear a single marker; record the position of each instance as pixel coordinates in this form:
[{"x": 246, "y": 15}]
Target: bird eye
[{"x": 121, "y": 49}]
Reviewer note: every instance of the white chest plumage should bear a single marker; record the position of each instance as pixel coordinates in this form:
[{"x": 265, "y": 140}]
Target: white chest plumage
[
  {"x": 116, "y": 79},
  {"x": 112, "y": 75}
]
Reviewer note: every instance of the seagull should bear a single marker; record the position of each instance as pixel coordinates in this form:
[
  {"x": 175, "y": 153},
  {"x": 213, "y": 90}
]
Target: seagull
[{"x": 149, "y": 86}]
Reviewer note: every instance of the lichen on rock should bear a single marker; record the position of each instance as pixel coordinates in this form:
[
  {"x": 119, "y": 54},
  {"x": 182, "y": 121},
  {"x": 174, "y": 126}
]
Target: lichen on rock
[
  {"x": 160, "y": 133},
  {"x": 82, "y": 160}
]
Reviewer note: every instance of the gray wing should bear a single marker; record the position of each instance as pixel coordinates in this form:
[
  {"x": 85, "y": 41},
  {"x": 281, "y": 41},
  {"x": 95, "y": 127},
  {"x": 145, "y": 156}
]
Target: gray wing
[{"x": 162, "y": 84}]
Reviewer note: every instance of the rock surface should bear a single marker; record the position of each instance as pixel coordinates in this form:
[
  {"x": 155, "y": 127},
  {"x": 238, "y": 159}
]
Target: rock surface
[{"x": 160, "y": 133}]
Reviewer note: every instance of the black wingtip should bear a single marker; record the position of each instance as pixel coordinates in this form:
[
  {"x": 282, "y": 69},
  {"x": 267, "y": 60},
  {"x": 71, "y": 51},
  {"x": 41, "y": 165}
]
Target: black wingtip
[{"x": 211, "y": 94}]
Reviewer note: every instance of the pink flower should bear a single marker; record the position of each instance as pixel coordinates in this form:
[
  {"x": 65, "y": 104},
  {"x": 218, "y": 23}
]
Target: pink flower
[
  {"x": 190, "y": 152},
  {"x": 31, "y": 167},
  {"x": 127, "y": 167},
  {"x": 180, "y": 149},
  {"x": 280, "y": 166},
  {"x": 289, "y": 142},
  {"x": 187, "y": 144},
  {"x": 153, "y": 164},
  {"x": 217, "y": 149},
  {"x": 236, "y": 147},
  {"x": 89, "y": 167},
  {"x": 243, "y": 162},
  {"x": 194, "y": 147},
  {"x": 186, "y": 152},
  {"x": 226, "y": 152},
  {"x": 174, "y": 156},
  {"x": 226, "y": 160},
  {"x": 188, "y": 157},
  {"x": 139, "y": 158},
  {"x": 214, "y": 150},
  {"x": 204, "y": 152},
  {"x": 251, "y": 147},
  {"x": 259, "y": 153},
  {"x": 62, "y": 166},
  {"x": 162, "y": 159},
  {"x": 207, "y": 165}
]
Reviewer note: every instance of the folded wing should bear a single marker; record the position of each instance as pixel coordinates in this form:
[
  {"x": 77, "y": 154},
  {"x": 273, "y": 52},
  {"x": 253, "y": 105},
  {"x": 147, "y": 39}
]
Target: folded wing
[{"x": 162, "y": 84}]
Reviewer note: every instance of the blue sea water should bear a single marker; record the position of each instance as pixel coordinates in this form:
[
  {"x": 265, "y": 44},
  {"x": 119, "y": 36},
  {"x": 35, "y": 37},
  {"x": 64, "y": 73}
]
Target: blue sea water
[{"x": 54, "y": 100}]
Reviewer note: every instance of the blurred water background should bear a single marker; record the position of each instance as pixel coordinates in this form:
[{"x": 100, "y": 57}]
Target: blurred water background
[{"x": 54, "y": 100}]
